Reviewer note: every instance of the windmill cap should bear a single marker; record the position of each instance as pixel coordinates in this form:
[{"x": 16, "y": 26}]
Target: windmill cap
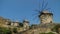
[
  {"x": 26, "y": 21},
  {"x": 16, "y": 21},
  {"x": 45, "y": 11}
]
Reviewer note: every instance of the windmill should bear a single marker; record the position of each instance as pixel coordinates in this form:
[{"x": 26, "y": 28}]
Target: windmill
[{"x": 44, "y": 15}]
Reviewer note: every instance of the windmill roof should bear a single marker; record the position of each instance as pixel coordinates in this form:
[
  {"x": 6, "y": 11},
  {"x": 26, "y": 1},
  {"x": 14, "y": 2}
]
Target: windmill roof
[
  {"x": 46, "y": 11},
  {"x": 16, "y": 21},
  {"x": 26, "y": 21}
]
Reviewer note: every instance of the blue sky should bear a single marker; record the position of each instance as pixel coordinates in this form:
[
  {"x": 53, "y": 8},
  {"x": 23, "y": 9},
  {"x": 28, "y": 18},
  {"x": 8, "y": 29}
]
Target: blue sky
[{"x": 24, "y": 9}]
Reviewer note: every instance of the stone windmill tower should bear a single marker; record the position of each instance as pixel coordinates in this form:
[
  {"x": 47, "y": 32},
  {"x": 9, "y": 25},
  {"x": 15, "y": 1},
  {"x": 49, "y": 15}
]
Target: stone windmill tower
[
  {"x": 25, "y": 24},
  {"x": 46, "y": 17}
]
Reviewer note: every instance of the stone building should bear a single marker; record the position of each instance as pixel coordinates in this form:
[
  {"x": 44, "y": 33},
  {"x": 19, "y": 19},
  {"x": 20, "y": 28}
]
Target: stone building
[
  {"x": 25, "y": 24},
  {"x": 46, "y": 17},
  {"x": 16, "y": 23}
]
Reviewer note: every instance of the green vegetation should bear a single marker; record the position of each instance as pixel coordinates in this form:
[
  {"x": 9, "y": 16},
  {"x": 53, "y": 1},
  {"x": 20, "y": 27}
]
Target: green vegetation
[
  {"x": 4, "y": 31},
  {"x": 50, "y": 33},
  {"x": 15, "y": 30},
  {"x": 21, "y": 24},
  {"x": 56, "y": 28},
  {"x": 47, "y": 33}
]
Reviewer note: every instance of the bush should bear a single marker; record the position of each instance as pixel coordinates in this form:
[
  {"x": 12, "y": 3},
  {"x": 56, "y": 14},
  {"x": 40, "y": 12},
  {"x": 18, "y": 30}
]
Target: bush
[
  {"x": 4, "y": 31},
  {"x": 21, "y": 24},
  {"x": 50, "y": 33},
  {"x": 15, "y": 30},
  {"x": 47, "y": 33}
]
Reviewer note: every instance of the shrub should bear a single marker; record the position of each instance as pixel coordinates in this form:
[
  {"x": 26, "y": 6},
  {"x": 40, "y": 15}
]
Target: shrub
[{"x": 4, "y": 31}]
